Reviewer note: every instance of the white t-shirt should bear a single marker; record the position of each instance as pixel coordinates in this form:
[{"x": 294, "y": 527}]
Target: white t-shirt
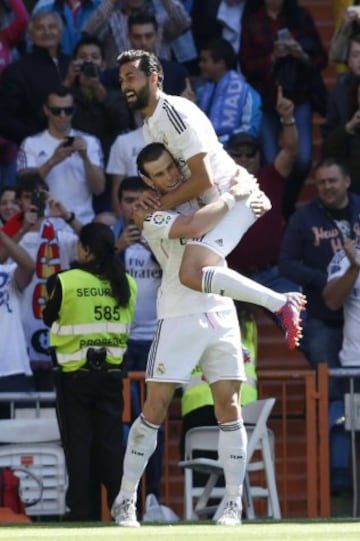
[
  {"x": 123, "y": 153},
  {"x": 14, "y": 357},
  {"x": 350, "y": 352},
  {"x": 50, "y": 255},
  {"x": 66, "y": 180},
  {"x": 142, "y": 266},
  {"x": 186, "y": 131},
  {"x": 174, "y": 299}
]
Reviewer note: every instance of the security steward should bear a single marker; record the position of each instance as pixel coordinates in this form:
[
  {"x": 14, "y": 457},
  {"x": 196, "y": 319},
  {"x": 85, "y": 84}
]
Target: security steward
[{"x": 90, "y": 311}]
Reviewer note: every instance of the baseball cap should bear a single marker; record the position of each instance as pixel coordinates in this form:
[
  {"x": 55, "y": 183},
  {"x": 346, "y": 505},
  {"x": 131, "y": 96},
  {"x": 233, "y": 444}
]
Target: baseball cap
[{"x": 242, "y": 138}]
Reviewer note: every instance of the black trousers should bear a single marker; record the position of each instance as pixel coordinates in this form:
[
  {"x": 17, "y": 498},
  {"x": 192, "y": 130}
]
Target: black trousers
[{"x": 89, "y": 409}]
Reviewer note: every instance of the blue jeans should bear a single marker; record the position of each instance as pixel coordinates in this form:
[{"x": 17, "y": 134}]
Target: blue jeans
[
  {"x": 8, "y": 174},
  {"x": 269, "y": 136},
  {"x": 272, "y": 279},
  {"x": 322, "y": 343}
]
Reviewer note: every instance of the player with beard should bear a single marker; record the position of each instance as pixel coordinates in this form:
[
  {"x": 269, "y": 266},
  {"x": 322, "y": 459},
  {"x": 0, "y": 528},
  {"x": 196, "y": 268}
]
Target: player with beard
[{"x": 209, "y": 170}]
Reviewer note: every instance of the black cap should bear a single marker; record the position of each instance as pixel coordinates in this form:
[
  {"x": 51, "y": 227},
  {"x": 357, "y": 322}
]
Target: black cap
[{"x": 243, "y": 138}]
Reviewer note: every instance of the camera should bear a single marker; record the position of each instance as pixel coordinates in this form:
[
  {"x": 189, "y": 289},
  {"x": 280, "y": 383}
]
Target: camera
[
  {"x": 38, "y": 201},
  {"x": 89, "y": 69}
]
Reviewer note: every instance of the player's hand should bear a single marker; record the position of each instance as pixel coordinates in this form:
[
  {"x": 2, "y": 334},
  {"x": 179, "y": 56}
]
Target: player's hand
[
  {"x": 149, "y": 200},
  {"x": 260, "y": 204},
  {"x": 242, "y": 183}
]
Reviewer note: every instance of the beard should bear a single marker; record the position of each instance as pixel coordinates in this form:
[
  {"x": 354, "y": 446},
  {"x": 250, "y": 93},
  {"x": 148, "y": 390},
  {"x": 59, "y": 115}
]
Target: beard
[{"x": 142, "y": 98}]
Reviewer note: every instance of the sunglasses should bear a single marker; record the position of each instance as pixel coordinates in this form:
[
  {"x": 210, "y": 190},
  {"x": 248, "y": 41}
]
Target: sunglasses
[
  {"x": 243, "y": 153},
  {"x": 56, "y": 111}
]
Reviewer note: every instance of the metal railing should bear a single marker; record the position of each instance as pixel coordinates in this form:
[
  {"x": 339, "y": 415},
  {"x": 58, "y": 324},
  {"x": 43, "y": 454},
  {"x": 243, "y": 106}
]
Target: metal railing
[
  {"x": 351, "y": 422},
  {"x": 306, "y": 407},
  {"x": 309, "y": 412}
]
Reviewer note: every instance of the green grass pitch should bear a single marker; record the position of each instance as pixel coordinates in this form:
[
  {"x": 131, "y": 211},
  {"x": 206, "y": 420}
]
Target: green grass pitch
[{"x": 279, "y": 531}]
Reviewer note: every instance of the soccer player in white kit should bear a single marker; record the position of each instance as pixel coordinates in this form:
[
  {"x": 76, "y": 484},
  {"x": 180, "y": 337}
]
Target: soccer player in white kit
[
  {"x": 193, "y": 328},
  {"x": 189, "y": 135}
]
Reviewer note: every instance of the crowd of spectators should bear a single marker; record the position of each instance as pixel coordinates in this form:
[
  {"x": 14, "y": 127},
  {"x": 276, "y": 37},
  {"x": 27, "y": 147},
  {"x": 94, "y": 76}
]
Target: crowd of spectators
[{"x": 253, "y": 66}]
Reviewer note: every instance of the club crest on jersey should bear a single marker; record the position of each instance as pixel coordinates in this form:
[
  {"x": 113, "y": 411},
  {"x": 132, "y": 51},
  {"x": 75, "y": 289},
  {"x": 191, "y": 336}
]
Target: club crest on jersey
[
  {"x": 158, "y": 218},
  {"x": 160, "y": 369}
]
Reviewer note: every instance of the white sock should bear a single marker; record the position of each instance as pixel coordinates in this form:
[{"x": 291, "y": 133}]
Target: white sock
[
  {"x": 232, "y": 455},
  {"x": 142, "y": 441},
  {"x": 229, "y": 283}
]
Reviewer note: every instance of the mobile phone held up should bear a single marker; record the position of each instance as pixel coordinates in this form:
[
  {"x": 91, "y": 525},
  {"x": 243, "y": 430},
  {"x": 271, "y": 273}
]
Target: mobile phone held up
[
  {"x": 283, "y": 34},
  {"x": 68, "y": 141},
  {"x": 89, "y": 69},
  {"x": 38, "y": 201}
]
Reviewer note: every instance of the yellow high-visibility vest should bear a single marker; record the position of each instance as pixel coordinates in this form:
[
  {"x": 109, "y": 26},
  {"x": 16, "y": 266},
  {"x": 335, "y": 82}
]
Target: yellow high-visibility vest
[{"x": 90, "y": 318}]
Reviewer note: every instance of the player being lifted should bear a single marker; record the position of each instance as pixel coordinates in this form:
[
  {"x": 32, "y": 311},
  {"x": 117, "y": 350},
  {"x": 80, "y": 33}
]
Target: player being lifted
[{"x": 189, "y": 136}]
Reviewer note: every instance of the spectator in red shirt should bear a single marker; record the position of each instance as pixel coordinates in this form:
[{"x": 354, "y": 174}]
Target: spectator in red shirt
[
  {"x": 281, "y": 45},
  {"x": 253, "y": 256}
]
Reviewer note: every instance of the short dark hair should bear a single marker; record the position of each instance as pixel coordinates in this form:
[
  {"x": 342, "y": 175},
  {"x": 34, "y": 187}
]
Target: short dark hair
[
  {"x": 134, "y": 184},
  {"x": 29, "y": 180},
  {"x": 148, "y": 63},
  {"x": 7, "y": 189},
  {"x": 329, "y": 161},
  {"x": 142, "y": 17},
  {"x": 221, "y": 49},
  {"x": 61, "y": 91},
  {"x": 149, "y": 153},
  {"x": 88, "y": 40}
]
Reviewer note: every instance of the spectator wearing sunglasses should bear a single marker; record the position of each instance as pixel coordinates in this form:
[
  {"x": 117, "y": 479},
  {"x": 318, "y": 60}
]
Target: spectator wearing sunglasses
[
  {"x": 70, "y": 161},
  {"x": 257, "y": 253}
]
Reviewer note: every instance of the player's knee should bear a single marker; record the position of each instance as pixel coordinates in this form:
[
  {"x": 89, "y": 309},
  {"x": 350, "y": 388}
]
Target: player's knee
[
  {"x": 191, "y": 277},
  {"x": 227, "y": 409}
]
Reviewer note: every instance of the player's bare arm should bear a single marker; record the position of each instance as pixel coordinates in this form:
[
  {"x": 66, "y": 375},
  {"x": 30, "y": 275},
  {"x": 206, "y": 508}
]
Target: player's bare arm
[
  {"x": 200, "y": 181},
  {"x": 200, "y": 222}
]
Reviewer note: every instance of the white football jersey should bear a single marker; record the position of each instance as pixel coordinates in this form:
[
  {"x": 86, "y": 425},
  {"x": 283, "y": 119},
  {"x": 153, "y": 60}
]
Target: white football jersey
[
  {"x": 186, "y": 131},
  {"x": 174, "y": 299}
]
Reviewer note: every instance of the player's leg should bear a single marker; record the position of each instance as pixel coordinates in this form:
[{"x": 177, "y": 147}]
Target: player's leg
[
  {"x": 203, "y": 269},
  {"x": 232, "y": 448},
  {"x": 178, "y": 344},
  {"x": 142, "y": 441},
  {"x": 225, "y": 381}
]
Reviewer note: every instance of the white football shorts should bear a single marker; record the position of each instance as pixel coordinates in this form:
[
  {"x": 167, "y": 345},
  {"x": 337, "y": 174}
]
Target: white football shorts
[
  {"x": 210, "y": 339},
  {"x": 228, "y": 233}
]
